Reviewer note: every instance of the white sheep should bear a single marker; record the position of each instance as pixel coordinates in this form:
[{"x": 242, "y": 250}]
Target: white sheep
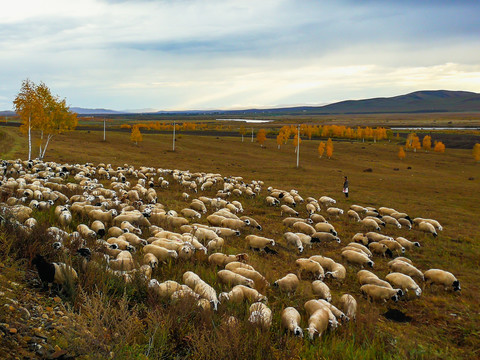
[
  {"x": 259, "y": 242},
  {"x": 325, "y": 227},
  {"x": 320, "y": 289},
  {"x": 291, "y": 321},
  {"x": 232, "y": 278},
  {"x": 260, "y": 315},
  {"x": 442, "y": 277},
  {"x": 380, "y": 293},
  {"x": 348, "y": 304},
  {"x": 293, "y": 239},
  {"x": 403, "y": 282},
  {"x": 310, "y": 267},
  {"x": 240, "y": 293},
  {"x": 201, "y": 288},
  {"x": 288, "y": 283},
  {"x": 356, "y": 258}
]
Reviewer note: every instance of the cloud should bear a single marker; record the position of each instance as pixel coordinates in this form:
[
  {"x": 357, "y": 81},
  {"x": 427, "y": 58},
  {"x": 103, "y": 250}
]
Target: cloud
[{"x": 222, "y": 53}]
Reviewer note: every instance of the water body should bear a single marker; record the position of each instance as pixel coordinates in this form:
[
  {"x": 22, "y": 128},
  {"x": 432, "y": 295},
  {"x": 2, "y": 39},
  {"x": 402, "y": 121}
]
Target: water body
[
  {"x": 435, "y": 128},
  {"x": 247, "y": 120}
]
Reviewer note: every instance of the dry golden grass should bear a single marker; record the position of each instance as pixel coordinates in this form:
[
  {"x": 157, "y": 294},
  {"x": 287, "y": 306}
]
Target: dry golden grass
[{"x": 444, "y": 325}]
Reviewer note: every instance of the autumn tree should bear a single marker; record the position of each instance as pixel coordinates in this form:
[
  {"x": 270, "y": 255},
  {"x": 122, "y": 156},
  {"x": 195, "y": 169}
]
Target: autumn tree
[
  {"x": 136, "y": 135},
  {"x": 439, "y": 147},
  {"x": 242, "y": 131},
  {"x": 401, "y": 153},
  {"x": 476, "y": 152},
  {"x": 43, "y": 112},
  {"x": 297, "y": 141},
  {"x": 261, "y": 136},
  {"x": 279, "y": 139},
  {"x": 321, "y": 149},
  {"x": 27, "y": 106},
  {"x": 416, "y": 144},
  {"x": 329, "y": 148},
  {"x": 427, "y": 143}
]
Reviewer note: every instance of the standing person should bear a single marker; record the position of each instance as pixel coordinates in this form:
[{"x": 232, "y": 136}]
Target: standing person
[{"x": 345, "y": 187}]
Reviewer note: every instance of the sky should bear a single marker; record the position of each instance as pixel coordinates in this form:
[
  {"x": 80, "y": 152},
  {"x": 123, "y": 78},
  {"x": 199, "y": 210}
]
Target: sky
[{"x": 226, "y": 54}]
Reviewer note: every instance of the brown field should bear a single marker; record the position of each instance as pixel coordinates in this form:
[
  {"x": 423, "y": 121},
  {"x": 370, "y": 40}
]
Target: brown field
[{"x": 425, "y": 184}]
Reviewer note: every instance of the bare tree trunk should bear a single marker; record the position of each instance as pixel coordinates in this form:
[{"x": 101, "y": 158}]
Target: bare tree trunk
[
  {"x": 29, "y": 138},
  {"x": 46, "y": 144},
  {"x": 40, "y": 148}
]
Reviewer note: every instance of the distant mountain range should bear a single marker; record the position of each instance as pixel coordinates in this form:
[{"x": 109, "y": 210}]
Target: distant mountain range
[{"x": 415, "y": 102}]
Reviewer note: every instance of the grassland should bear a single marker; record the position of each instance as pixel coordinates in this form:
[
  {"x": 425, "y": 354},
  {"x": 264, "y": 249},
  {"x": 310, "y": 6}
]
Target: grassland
[{"x": 440, "y": 186}]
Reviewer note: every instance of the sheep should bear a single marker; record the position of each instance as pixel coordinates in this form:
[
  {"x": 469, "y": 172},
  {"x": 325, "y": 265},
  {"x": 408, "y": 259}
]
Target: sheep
[
  {"x": 379, "y": 249},
  {"x": 220, "y": 259},
  {"x": 393, "y": 245},
  {"x": 123, "y": 262},
  {"x": 271, "y": 201},
  {"x": 115, "y": 231},
  {"x": 258, "y": 279},
  {"x": 327, "y": 201},
  {"x": 240, "y": 293},
  {"x": 358, "y": 208},
  {"x": 403, "y": 282},
  {"x": 190, "y": 213},
  {"x": 235, "y": 224},
  {"x": 370, "y": 224},
  {"x": 285, "y": 209},
  {"x": 125, "y": 225},
  {"x": 325, "y": 262},
  {"x": 260, "y": 315},
  {"x": 400, "y": 258},
  {"x": 150, "y": 259},
  {"x": 391, "y": 220},
  {"x": 258, "y": 242},
  {"x": 337, "y": 272},
  {"x": 353, "y": 215},
  {"x": 86, "y": 232},
  {"x": 310, "y": 267},
  {"x": 434, "y": 223},
  {"x": 54, "y": 273},
  {"x": 360, "y": 238},
  {"x": 291, "y": 321},
  {"x": 226, "y": 232},
  {"x": 304, "y": 228},
  {"x": 166, "y": 288},
  {"x": 333, "y": 211},
  {"x": 161, "y": 253},
  {"x": 122, "y": 244},
  {"x": 237, "y": 264},
  {"x": 198, "y": 205},
  {"x": 99, "y": 228},
  {"x": 105, "y": 217},
  {"x": 406, "y": 268},
  {"x": 380, "y": 293},
  {"x": 310, "y": 208},
  {"x": 306, "y": 240},
  {"x": 324, "y": 236},
  {"x": 377, "y": 220},
  {"x": 442, "y": 277},
  {"x": 318, "y": 322},
  {"x": 288, "y": 283},
  {"x": 232, "y": 278},
  {"x": 317, "y": 218},
  {"x": 289, "y": 200},
  {"x": 65, "y": 218},
  {"x": 325, "y": 227},
  {"x": 357, "y": 258},
  {"x": 361, "y": 247},
  {"x": 375, "y": 281},
  {"x": 313, "y": 306},
  {"x": 293, "y": 239},
  {"x": 252, "y": 222},
  {"x": 373, "y": 236},
  {"x": 289, "y": 221},
  {"x": 405, "y": 223},
  {"x": 428, "y": 228},
  {"x": 215, "y": 244},
  {"x": 176, "y": 221},
  {"x": 348, "y": 305},
  {"x": 133, "y": 239},
  {"x": 386, "y": 211},
  {"x": 215, "y": 220},
  {"x": 320, "y": 289},
  {"x": 201, "y": 288}
]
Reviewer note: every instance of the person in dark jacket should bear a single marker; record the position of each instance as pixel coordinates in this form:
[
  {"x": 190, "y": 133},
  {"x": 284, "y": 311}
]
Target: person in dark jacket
[{"x": 345, "y": 187}]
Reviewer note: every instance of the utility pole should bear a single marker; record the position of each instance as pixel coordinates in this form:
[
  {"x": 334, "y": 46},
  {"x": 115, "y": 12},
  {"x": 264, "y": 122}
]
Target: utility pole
[
  {"x": 298, "y": 145},
  {"x": 174, "y": 136},
  {"x": 103, "y": 129}
]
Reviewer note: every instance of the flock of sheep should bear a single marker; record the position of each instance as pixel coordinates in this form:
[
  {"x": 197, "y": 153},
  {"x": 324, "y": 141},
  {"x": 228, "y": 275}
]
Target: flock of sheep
[{"x": 127, "y": 230}]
